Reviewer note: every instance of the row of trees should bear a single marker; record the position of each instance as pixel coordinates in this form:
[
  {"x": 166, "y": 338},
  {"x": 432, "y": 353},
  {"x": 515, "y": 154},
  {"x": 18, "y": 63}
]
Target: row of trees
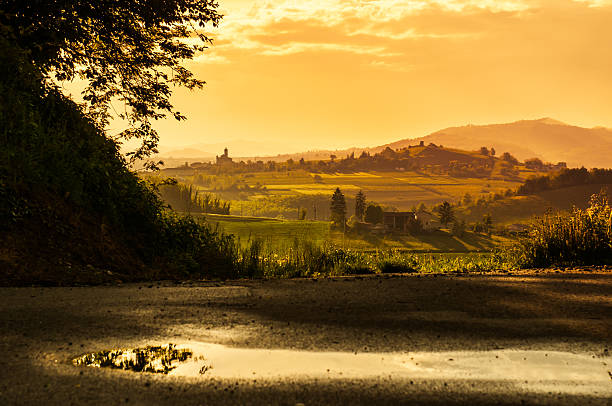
[
  {"x": 370, "y": 213},
  {"x": 565, "y": 178},
  {"x": 373, "y": 214},
  {"x": 187, "y": 199}
]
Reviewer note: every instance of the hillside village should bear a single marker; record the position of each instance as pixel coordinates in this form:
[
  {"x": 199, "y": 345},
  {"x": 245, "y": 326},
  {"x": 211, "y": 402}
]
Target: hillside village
[{"x": 431, "y": 158}]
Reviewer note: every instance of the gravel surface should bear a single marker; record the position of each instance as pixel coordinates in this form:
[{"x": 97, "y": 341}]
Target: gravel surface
[{"x": 43, "y": 329}]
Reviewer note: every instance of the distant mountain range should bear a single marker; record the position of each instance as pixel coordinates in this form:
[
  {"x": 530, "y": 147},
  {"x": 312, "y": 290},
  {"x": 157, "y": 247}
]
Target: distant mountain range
[{"x": 548, "y": 139}]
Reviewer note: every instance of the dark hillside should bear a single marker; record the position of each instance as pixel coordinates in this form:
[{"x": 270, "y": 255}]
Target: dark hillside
[
  {"x": 70, "y": 210},
  {"x": 517, "y": 209}
]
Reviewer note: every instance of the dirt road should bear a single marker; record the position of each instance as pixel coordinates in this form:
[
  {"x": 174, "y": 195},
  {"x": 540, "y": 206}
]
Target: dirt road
[{"x": 43, "y": 329}]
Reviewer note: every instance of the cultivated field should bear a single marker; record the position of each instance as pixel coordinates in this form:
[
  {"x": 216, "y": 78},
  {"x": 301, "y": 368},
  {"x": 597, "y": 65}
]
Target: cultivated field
[{"x": 284, "y": 193}]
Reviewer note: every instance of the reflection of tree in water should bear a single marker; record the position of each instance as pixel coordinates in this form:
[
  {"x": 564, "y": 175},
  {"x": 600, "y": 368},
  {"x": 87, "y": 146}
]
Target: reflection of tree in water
[{"x": 162, "y": 359}]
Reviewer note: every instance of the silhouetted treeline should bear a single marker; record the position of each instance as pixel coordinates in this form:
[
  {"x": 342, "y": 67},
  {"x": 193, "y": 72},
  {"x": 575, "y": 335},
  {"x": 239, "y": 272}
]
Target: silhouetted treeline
[
  {"x": 187, "y": 199},
  {"x": 565, "y": 178}
]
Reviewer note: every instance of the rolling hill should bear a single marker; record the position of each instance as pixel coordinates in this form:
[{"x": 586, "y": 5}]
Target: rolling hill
[{"x": 548, "y": 139}]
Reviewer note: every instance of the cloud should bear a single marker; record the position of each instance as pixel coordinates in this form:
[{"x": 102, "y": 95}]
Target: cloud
[
  {"x": 386, "y": 33},
  {"x": 211, "y": 58},
  {"x": 299, "y": 47},
  {"x": 596, "y": 3}
]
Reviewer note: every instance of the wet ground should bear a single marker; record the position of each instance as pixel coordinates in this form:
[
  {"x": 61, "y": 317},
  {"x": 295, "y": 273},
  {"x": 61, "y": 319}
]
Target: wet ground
[{"x": 524, "y": 339}]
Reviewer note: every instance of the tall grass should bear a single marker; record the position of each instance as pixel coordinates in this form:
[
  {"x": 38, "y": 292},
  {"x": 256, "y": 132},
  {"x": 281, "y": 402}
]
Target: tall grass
[
  {"x": 582, "y": 237},
  {"x": 306, "y": 259}
]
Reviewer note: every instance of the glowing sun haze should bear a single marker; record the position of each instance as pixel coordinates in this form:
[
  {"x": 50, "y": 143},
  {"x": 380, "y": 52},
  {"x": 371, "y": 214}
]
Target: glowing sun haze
[{"x": 312, "y": 74}]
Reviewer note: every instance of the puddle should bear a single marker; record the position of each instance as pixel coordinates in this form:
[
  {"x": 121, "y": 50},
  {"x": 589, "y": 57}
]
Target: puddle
[
  {"x": 532, "y": 370},
  {"x": 162, "y": 359}
]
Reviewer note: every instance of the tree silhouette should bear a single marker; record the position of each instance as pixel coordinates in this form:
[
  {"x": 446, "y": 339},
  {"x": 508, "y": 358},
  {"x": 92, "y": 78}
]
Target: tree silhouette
[
  {"x": 506, "y": 156},
  {"x": 446, "y": 213},
  {"x": 360, "y": 205},
  {"x": 487, "y": 222},
  {"x": 338, "y": 208},
  {"x": 125, "y": 50},
  {"x": 374, "y": 214}
]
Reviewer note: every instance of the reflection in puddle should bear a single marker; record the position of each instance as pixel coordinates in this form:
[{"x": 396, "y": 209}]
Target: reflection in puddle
[
  {"x": 530, "y": 370},
  {"x": 162, "y": 359}
]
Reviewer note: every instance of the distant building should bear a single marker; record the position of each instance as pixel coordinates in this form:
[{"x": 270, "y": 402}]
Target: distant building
[
  {"x": 224, "y": 159},
  {"x": 398, "y": 220},
  {"x": 428, "y": 220}
]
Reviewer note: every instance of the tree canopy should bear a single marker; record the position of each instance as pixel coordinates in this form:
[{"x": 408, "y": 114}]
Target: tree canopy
[{"x": 129, "y": 51}]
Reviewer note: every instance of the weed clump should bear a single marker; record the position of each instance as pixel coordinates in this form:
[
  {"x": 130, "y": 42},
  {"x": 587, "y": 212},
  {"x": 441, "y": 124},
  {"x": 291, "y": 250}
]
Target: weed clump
[{"x": 581, "y": 237}]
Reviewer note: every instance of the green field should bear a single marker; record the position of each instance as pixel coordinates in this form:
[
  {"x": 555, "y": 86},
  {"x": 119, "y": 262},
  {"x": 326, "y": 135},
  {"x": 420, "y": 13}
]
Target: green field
[
  {"x": 281, "y": 235},
  {"x": 274, "y": 233},
  {"x": 283, "y": 194}
]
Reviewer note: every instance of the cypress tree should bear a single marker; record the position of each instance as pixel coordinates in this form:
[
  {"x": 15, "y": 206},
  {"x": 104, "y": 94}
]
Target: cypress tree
[
  {"x": 338, "y": 208},
  {"x": 360, "y": 205}
]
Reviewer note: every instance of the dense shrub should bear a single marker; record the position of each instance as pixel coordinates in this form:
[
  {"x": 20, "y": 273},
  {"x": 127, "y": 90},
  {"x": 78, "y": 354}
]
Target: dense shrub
[
  {"x": 374, "y": 214},
  {"x": 191, "y": 247},
  {"x": 581, "y": 237}
]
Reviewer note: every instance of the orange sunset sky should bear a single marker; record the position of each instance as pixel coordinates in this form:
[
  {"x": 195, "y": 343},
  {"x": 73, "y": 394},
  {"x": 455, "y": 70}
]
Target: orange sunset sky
[{"x": 313, "y": 74}]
